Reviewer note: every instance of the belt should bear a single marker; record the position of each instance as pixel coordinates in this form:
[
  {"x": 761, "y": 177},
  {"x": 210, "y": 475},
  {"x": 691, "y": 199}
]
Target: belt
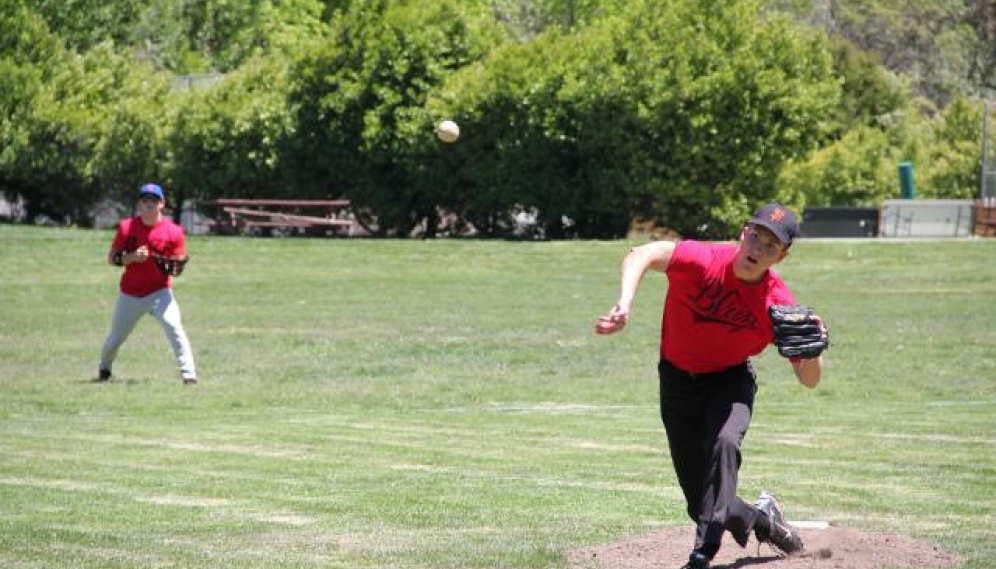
[{"x": 745, "y": 366}]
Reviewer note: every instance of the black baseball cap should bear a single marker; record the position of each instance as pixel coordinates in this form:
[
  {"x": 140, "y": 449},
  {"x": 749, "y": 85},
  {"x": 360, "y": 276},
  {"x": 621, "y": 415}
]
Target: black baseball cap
[{"x": 780, "y": 220}]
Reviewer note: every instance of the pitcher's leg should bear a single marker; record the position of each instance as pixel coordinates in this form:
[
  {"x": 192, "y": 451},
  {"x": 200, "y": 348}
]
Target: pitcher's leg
[
  {"x": 167, "y": 312},
  {"x": 127, "y": 311},
  {"x": 741, "y": 519},
  {"x": 680, "y": 407},
  {"x": 729, "y": 415},
  {"x": 683, "y": 415},
  {"x": 724, "y": 465}
]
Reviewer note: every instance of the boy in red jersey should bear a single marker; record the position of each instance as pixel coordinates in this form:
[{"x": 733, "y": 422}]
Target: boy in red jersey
[
  {"x": 716, "y": 318},
  {"x": 145, "y": 288}
]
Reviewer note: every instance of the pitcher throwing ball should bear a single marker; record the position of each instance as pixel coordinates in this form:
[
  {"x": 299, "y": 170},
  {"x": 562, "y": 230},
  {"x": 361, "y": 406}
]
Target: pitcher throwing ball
[
  {"x": 724, "y": 304},
  {"x": 152, "y": 249}
]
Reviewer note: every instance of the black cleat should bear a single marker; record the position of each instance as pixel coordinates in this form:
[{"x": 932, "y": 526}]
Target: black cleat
[
  {"x": 697, "y": 560},
  {"x": 104, "y": 375},
  {"x": 782, "y": 536}
]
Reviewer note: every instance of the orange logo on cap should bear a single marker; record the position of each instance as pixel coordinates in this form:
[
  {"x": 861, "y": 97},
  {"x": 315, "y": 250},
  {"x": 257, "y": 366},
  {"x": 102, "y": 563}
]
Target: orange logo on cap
[{"x": 778, "y": 215}]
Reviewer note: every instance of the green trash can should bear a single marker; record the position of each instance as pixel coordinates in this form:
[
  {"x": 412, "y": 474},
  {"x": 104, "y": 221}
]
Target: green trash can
[{"x": 907, "y": 190}]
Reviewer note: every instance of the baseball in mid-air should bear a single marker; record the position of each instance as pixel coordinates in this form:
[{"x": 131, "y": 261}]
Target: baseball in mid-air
[{"x": 448, "y": 131}]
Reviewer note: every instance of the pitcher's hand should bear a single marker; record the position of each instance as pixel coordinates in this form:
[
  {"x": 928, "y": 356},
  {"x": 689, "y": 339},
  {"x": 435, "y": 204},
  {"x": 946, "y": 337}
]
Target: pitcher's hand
[{"x": 613, "y": 321}]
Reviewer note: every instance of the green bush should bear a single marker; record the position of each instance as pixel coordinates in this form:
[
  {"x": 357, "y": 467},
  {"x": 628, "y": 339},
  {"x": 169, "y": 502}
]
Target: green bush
[{"x": 861, "y": 169}]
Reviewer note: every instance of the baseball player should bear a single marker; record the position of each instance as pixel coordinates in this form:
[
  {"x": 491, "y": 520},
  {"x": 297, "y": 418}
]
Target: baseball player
[
  {"x": 716, "y": 316},
  {"x": 151, "y": 248}
]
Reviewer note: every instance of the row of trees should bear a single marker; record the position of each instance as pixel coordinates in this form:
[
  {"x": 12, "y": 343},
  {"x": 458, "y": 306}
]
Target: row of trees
[
  {"x": 589, "y": 114},
  {"x": 943, "y": 47}
]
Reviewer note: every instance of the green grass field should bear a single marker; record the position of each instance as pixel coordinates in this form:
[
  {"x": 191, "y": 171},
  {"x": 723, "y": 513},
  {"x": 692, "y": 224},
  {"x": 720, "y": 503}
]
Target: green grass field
[{"x": 445, "y": 404}]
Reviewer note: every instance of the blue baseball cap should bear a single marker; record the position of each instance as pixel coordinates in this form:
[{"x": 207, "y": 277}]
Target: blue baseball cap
[{"x": 152, "y": 190}]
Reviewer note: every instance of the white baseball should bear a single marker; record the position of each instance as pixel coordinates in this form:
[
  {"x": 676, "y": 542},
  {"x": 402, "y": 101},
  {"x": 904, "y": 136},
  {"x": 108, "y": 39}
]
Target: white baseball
[{"x": 448, "y": 131}]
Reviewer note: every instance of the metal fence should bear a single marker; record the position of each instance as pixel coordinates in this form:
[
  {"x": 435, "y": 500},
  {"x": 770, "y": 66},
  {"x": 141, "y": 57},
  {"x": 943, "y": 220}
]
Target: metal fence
[{"x": 926, "y": 218}]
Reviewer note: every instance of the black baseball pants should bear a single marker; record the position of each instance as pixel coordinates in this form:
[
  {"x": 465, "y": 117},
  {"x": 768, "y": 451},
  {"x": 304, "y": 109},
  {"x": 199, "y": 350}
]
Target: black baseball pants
[{"x": 706, "y": 417}]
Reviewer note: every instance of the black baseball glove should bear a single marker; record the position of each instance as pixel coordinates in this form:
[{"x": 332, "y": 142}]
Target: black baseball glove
[
  {"x": 797, "y": 332},
  {"x": 171, "y": 266}
]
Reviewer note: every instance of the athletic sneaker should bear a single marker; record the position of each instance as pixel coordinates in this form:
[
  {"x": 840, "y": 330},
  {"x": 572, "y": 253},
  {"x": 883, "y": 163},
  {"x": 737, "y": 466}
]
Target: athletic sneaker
[
  {"x": 782, "y": 536},
  {"x": 104, "y": 375},
  {"x": 190, "y": 381},
  {"x": 697, "y": 560}
]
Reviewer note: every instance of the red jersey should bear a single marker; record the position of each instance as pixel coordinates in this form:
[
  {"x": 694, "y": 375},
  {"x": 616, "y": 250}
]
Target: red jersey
[
  {"x": 164, "y": 238},
  {"x": 713, "y": 320}
]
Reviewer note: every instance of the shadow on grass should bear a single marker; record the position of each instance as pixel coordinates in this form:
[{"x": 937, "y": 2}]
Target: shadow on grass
[{"x": 120, "y": 381}]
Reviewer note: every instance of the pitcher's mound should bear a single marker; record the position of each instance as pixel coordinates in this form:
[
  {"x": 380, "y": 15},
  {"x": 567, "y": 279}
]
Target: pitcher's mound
[{"x": 832, "y": 548}]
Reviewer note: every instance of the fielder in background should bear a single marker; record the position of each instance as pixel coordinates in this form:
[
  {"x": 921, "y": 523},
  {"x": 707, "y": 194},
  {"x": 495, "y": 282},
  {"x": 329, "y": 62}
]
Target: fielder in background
[
  {"x": 719, "y": 311},
  {"x": 151, "y": 248}
]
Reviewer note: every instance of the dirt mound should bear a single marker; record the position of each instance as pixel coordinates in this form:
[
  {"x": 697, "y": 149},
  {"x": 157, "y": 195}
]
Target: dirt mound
[{"x": 834, "y": 547}]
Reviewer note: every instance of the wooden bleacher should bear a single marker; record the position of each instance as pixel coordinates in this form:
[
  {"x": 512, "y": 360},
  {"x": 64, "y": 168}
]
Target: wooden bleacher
[{"x": 284, "y": 217}]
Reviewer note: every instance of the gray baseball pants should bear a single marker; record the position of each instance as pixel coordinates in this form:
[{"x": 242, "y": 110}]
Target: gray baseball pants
[
  {"x": 706, "y": 417},
  {"x": 160, "y": 304}
]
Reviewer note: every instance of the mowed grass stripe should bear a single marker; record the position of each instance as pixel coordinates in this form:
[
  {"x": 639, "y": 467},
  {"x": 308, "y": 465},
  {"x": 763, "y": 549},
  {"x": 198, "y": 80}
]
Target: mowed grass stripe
[{"x": 377, "y": 452}]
